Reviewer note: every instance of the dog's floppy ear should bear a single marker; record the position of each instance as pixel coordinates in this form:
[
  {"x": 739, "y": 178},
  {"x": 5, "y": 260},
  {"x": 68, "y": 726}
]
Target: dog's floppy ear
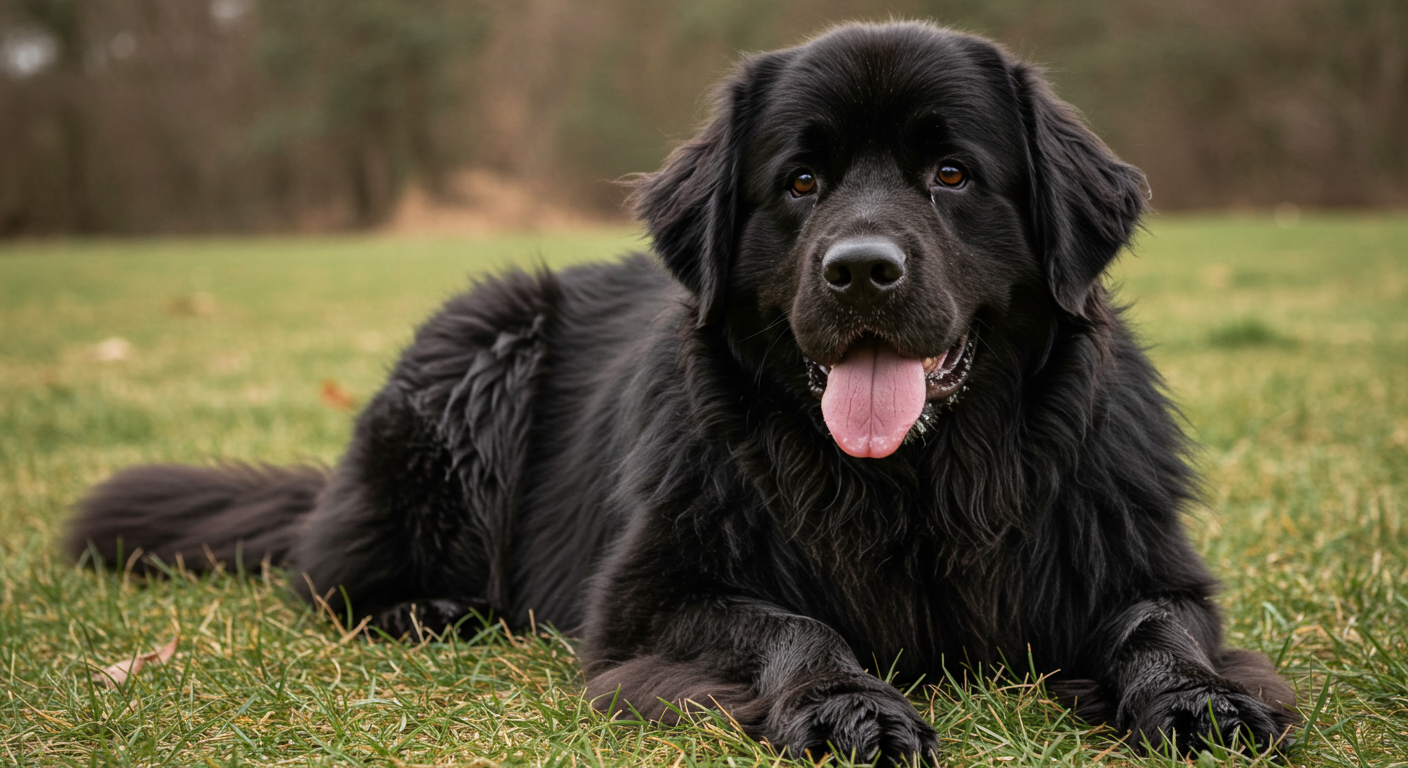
[
  {"x": 689, "y": 206},
  {"x": 1085, "y": 202}
]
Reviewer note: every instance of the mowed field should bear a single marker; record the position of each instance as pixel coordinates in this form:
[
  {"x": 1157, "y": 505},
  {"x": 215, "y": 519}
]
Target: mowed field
[{"x": 1285, "y": 346}]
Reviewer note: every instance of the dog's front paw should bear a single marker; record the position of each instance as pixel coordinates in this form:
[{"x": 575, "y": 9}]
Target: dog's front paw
[
  {"x": 865, "y": 720},
  {"x": 1198, "y": 714}
]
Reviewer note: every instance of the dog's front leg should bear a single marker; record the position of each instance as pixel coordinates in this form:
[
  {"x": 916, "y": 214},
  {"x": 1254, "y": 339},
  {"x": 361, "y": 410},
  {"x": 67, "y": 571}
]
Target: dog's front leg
[
  {"x": 786, "y": 679},
  {"x": 1173, "y": 689}
]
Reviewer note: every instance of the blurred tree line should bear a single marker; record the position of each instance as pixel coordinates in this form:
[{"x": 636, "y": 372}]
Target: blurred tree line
[{"x": 256, "y": 115}]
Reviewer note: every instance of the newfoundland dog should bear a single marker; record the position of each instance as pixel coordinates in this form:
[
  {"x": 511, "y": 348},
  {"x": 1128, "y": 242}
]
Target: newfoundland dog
[{"x": 868, "y": 407}]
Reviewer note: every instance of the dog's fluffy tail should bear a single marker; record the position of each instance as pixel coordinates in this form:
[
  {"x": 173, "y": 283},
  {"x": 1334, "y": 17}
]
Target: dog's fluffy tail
[{"x": 234, "y": 515}]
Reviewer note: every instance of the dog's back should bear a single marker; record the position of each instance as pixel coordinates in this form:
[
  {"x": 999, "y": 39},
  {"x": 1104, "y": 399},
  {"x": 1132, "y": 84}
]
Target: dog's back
[{"x": 493, "y": 440}]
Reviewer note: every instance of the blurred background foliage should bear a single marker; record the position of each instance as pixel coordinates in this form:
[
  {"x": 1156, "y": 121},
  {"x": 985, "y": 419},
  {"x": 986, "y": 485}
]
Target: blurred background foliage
[{"x": 140, "y": 116}]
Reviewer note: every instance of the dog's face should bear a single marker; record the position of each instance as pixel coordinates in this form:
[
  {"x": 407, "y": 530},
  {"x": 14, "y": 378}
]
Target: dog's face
[{"x": 866, "y": 199}]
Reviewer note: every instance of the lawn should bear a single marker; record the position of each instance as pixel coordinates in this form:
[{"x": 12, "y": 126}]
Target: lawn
[{"x": 1286, "y": 347}]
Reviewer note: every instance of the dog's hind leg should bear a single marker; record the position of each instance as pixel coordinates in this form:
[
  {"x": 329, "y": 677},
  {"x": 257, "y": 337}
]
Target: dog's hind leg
[
  {"x": 392, "y": 529},
  {"x": 419, "y": 510}
]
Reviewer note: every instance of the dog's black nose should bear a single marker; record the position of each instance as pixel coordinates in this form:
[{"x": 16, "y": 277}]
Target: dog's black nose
[{"x": 863, "y": 268}]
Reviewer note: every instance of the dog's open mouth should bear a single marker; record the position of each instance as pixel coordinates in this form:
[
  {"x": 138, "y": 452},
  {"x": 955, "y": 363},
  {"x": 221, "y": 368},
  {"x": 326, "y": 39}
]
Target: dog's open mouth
[{"x": 873, "y": 397}]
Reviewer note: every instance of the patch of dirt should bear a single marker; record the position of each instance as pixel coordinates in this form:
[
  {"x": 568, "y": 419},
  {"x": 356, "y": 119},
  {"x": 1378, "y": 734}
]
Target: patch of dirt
[{"x": 484, "y": 202}]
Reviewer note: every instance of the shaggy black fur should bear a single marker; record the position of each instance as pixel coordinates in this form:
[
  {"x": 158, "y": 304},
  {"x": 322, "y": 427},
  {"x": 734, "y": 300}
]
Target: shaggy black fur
[{"x": 638, "y": 455}]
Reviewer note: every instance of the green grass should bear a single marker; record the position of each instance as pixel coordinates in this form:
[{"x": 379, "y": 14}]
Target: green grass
[{"x": 1286, "y": 348}]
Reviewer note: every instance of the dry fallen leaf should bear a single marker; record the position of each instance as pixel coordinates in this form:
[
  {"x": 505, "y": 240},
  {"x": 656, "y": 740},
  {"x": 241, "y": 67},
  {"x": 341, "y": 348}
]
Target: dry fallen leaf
[
  {"x": 336, "y": 396},
  {"x": 198, "y": 304},
  {"x": 114, "y": 675},
  {"x": 111, "y": 350}
]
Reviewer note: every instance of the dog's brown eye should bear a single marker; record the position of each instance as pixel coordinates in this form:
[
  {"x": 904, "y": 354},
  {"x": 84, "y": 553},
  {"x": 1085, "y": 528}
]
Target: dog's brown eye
[
  {"x": 803, "y": 184},
  {"x": 951, "y": 175}
]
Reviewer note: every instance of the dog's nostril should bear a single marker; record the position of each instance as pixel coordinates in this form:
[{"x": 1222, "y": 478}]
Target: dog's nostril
[
  {"x": 838, "y": 275},
  {"x": 885, "y": 273}
]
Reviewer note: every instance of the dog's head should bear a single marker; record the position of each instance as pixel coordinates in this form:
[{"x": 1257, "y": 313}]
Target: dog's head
[{"x": 870, "y": 196}]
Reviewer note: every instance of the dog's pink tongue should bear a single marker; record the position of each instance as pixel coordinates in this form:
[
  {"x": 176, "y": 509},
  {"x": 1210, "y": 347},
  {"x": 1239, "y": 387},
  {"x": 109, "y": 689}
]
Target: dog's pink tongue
[{"x": 873, "y": 396}]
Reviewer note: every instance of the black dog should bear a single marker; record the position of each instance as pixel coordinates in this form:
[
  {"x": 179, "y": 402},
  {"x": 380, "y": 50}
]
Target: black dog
[{"x": 876, "y": 409}]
